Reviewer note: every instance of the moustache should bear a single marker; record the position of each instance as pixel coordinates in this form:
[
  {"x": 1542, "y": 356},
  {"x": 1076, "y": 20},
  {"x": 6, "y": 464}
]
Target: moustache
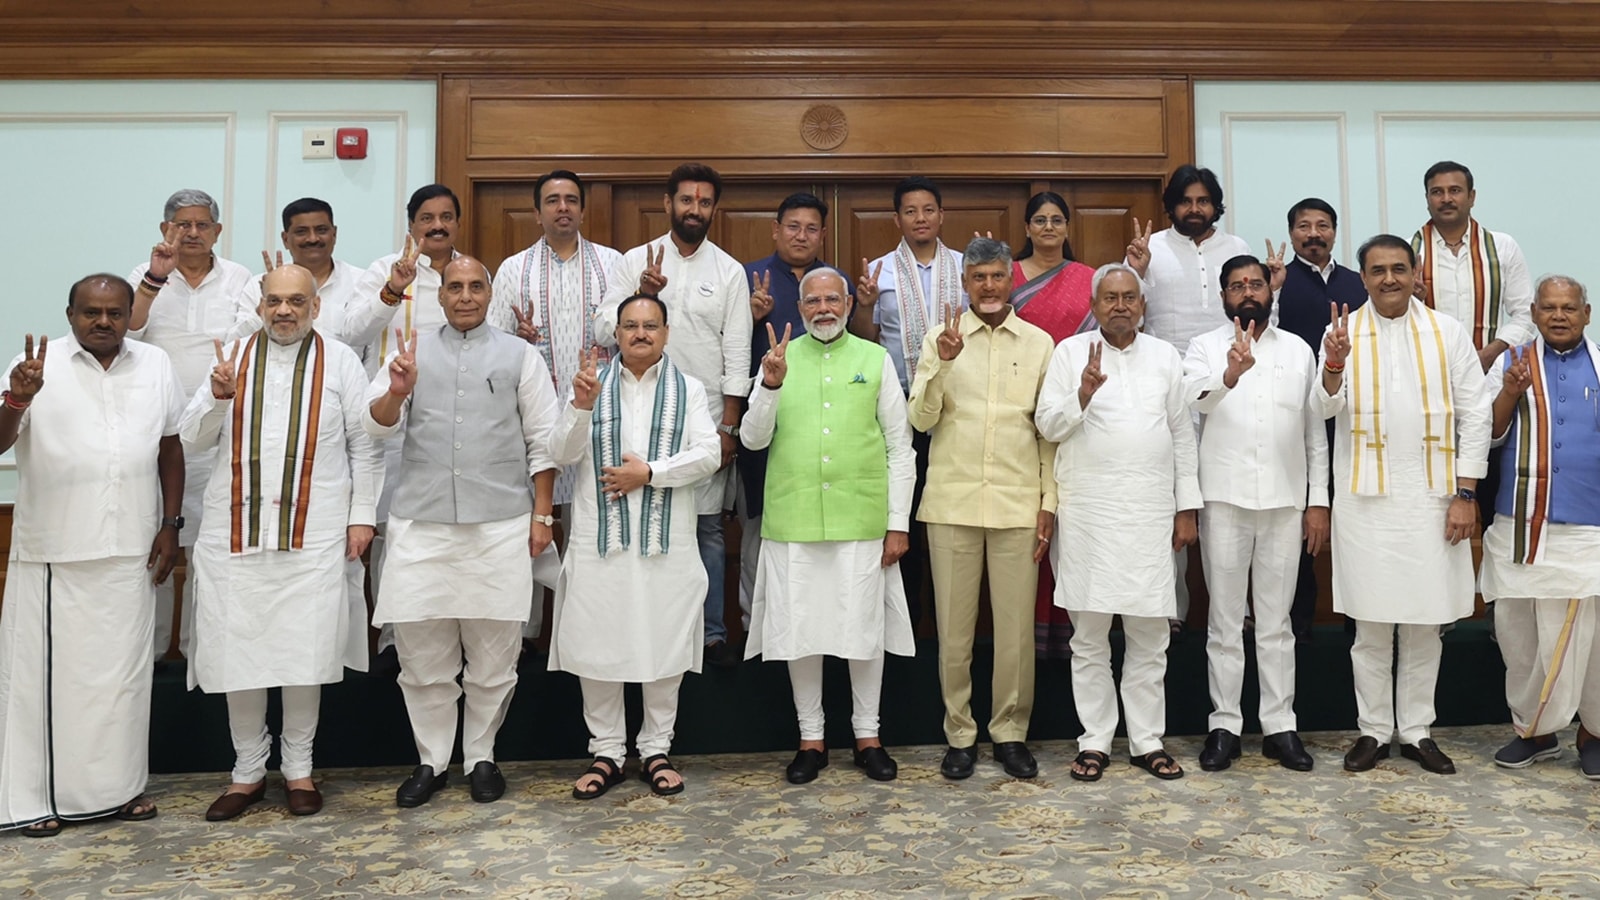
[
  {"x": 1316, "y": 242},
  {"x": 313, "y": 245},
  {"x": 437, "y": 233}
]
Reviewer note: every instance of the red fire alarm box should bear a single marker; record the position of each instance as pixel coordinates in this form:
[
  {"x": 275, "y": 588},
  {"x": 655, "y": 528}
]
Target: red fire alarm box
[{"x": 351, "y": 143}]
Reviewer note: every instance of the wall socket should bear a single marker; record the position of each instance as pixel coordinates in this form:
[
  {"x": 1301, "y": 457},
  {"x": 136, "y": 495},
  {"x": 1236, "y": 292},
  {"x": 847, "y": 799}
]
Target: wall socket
[{"x": 316, "y": 143}]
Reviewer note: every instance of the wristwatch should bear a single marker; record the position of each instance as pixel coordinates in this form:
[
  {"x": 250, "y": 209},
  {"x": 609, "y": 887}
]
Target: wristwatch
[
  {"x": 729, "y": 430},
  {"x": 544, "y": 520},
  {"x": 173, "y": 522},
  {"x": 1466, "y": 494}
]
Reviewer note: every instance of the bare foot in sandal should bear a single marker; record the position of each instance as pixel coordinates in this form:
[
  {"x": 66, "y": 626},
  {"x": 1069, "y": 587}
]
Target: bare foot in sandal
[
  {"x": 138, "y": 809},
  {"x": 1158, "y": 763},
  {"x": 658, "y": 772},
  {"x": 601, "y": 776},
  {"x": 47, "y": 828},
  {"x": 1089, "y": 765}
]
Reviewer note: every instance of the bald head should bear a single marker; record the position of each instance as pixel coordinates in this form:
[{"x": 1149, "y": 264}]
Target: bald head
[
  {"x": 289, "y": 303},
  {"x": 465, "y": 293}
]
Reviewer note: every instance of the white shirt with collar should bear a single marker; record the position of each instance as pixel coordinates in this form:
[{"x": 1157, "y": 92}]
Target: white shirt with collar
[
  {"x": 886, "y": 312},
  {"x": 86, "y": 453},
  {"x": 369, "y": 323},
  {"x": 1183, "y": 287},
  {"x": 1452, "y": 287},
  {"x": 1325, "y": 271},
  {"x": 1262, "y": 442},
  {"x": 337, "y": 293},
  {"x": 185, "y": 318}
]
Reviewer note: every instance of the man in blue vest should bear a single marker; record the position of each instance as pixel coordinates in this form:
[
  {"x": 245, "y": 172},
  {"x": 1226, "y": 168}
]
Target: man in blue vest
[{"x": 840, "y": 470}]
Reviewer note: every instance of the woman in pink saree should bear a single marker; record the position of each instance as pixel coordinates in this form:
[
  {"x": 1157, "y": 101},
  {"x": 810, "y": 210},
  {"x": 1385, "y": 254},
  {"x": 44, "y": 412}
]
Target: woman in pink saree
[{"x": 1050, "y": 290}]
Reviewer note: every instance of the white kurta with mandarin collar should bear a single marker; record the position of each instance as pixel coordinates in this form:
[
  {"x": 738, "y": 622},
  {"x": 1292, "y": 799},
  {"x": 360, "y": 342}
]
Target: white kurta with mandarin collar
[
  {"x": 626, "y": 616},
  {"x": 277, "y": 616}
]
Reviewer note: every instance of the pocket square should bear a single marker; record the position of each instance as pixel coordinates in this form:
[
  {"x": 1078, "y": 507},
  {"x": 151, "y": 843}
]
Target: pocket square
[{"x": 859, "y": 379}]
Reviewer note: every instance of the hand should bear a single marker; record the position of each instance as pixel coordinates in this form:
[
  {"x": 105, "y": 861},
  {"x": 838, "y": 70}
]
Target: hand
[
  {"x": 1316, "y": 529},
  {"x": 164, "y": 555},
  {"x": 356, "y": 540},
  {"x": 1138, "y": 253},
  {"x": 1240, "y": 359},
  {"x": 760, "y": 295},
  {"x": 540, "y": 536},
  {"x": 950, "y": 341},
  {"x": 1519, "y": 375},
  {"x": 586, "y": 384},
  {"x": 986, "y": 234},
  {"x": 618, "y": 481},
  {"x": 1185, "y": 529},
  {"x": 651, "y": 281},
  {"x": 525, "y": 327},
  {"x": 867, "y": 284},
  {"x": 895, "y": 545},
  {"x": 27, "y": 377},
  {"x": 1091, "y": 380},
  {"x": 164, "y": 256},
  {"x": 1042, "y": 535},
  {"x": 403, "y": 369},
  {"x": 267, "y": 263},
  {"x": 730, "y": 450},
  {"x": 404, "y": 269},
  {"x": 225, "y": 374},
  {"x": 1336, "y": 346},
  {"x": 775, "y": 365},
  {"x": 1274, "y": 265},
  {"x": 1419, "y": 287},
  {"x": 1461, "y": 521}
]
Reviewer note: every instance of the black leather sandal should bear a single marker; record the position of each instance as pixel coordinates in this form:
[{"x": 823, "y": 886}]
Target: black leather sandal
[
  {"x": 652, "y": 775},
  {"x": 610, "y": 776}
]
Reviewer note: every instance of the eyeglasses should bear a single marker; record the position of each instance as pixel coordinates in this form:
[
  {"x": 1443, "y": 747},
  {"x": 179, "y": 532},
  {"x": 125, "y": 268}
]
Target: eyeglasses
[
  {"x": 201, "y": 227},
  {"x": 1239, "y": 287},
  {"x": 1052, "y": 221},
  {"x": 797, "y": 229}
]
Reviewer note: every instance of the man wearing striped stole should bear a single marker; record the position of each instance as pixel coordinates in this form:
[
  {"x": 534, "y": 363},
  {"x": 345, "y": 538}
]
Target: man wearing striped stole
[
  {"x": 632, "y": 591},
  {"x": 1539, "y": 556},
  {"x": 474, "y": 407},
  {"x": 1410, "y": 442},
  {"x": 290, "y": 501}
]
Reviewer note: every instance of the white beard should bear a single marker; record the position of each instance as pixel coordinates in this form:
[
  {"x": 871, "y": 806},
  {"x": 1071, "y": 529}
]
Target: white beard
[{"x": 826, "y": 333}]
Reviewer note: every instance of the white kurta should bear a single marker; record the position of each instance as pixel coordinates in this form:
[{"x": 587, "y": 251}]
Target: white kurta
[
  {"x": 1453, "y": 294},
  {"x": 273, "y": 616},
  {"x": 1124, "y": 468},
  {"x": 1391, "y": 561},
  {"x": 1183, "y": 284},
  {"x": 562, "y": 303},
  {"x": 626, "y": 616},
  {"x": 835, "y": 597},
  {"x": 709, "y": 298}
]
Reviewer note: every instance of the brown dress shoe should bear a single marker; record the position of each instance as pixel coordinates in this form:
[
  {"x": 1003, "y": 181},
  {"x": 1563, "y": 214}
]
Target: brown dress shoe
[
  {"x": 305, "y": 803},
  {"x": 1428, "y": 754},
  {"x": 229, "y": 806},
  {"x": 1365, "y": 754}
]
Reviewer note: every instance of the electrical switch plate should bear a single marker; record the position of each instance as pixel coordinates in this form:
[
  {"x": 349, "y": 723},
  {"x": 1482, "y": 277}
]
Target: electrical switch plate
[{"x": 317, "y": 143}]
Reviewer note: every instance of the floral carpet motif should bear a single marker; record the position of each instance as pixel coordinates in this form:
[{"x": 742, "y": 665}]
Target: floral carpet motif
[{"x": 740, "y": 830}]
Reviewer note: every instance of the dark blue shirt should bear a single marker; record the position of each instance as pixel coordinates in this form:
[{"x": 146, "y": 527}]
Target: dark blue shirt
[
  {"x": 785, "y": 311},
  {"x": 1572, "y": 394},
  {"x": 1303, "y": 302}
]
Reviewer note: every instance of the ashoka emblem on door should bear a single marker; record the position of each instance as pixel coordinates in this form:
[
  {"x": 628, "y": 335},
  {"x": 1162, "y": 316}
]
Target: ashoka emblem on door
[{"x": 824, "y": 127}]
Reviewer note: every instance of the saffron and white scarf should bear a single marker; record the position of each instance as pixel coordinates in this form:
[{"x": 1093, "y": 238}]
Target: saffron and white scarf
[
  {"x": 249, "y": 508},
  {"x": 1487, "y": 284},
  {"x": 1368, "y": 396},
  {"x": 915, "y": 309},
  {"x": 1531, "y": 493},
  {"x": 538, "y": 299},
  {"x": 605, "y": 443}
]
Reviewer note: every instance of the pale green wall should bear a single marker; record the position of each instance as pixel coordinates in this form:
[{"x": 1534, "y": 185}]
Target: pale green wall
[
  {"x": 1364, "y": 146},
  {"x": 88, "y": 165}
]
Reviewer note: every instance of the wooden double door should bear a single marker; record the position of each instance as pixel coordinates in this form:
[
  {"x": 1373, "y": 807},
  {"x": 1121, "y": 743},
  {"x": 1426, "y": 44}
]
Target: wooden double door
[{"x": 860, "y": 219}]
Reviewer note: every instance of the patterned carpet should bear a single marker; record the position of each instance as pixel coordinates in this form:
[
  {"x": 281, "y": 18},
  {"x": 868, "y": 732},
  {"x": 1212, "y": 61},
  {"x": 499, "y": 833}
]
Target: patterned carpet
[{"x": 740, "y": 830}]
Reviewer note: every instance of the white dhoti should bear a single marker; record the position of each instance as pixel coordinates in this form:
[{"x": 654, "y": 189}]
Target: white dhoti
[
  {"x": 75, "y": 657},
  {"x": 830, "y": 598},
  {"x": 1248, "y": 552},
  {"x": 1545, "y": 623},
  {"x": 457, "y": 596}
]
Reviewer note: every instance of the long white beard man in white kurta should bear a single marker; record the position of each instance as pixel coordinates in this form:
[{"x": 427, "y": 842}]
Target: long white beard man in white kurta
[
  {"x": 632, "y": 588},
  {"x": 100, "y": 489},
  {"x": 473, "y": 507},
  {"x": 1113, "y": 399},
  {"x": 1410, "y": 442},
  {"x": 290, "y": 502},
  {"x": 838, "y": 503}
]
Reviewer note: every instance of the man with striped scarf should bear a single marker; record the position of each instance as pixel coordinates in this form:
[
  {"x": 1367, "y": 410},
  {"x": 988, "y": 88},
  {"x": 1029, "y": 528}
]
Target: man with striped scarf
[{"x": 1539, "y": 555}]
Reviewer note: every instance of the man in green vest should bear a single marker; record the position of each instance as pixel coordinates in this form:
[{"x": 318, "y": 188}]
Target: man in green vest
[{"x": 840, "y": 471}]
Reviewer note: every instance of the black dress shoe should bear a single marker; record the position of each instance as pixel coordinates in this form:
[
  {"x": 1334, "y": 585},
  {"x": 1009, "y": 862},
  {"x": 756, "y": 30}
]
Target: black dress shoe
[
  {"x": 1364, "y": 754},
  {"x": 1014, "y": 756},
  {"x": 722, "y": 654},
  {"x": 419, "y": 788},
  {"x": 1428, "y": 754},
  {"x": 807, "y": 763},
  {"x": 486, "y": 782},
  {"x": 1221, "y": 749},
  {"x": 876, "y": 763},
  {"x": 1285, "y": 747},
  {"x": 959, "y": 762}
]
